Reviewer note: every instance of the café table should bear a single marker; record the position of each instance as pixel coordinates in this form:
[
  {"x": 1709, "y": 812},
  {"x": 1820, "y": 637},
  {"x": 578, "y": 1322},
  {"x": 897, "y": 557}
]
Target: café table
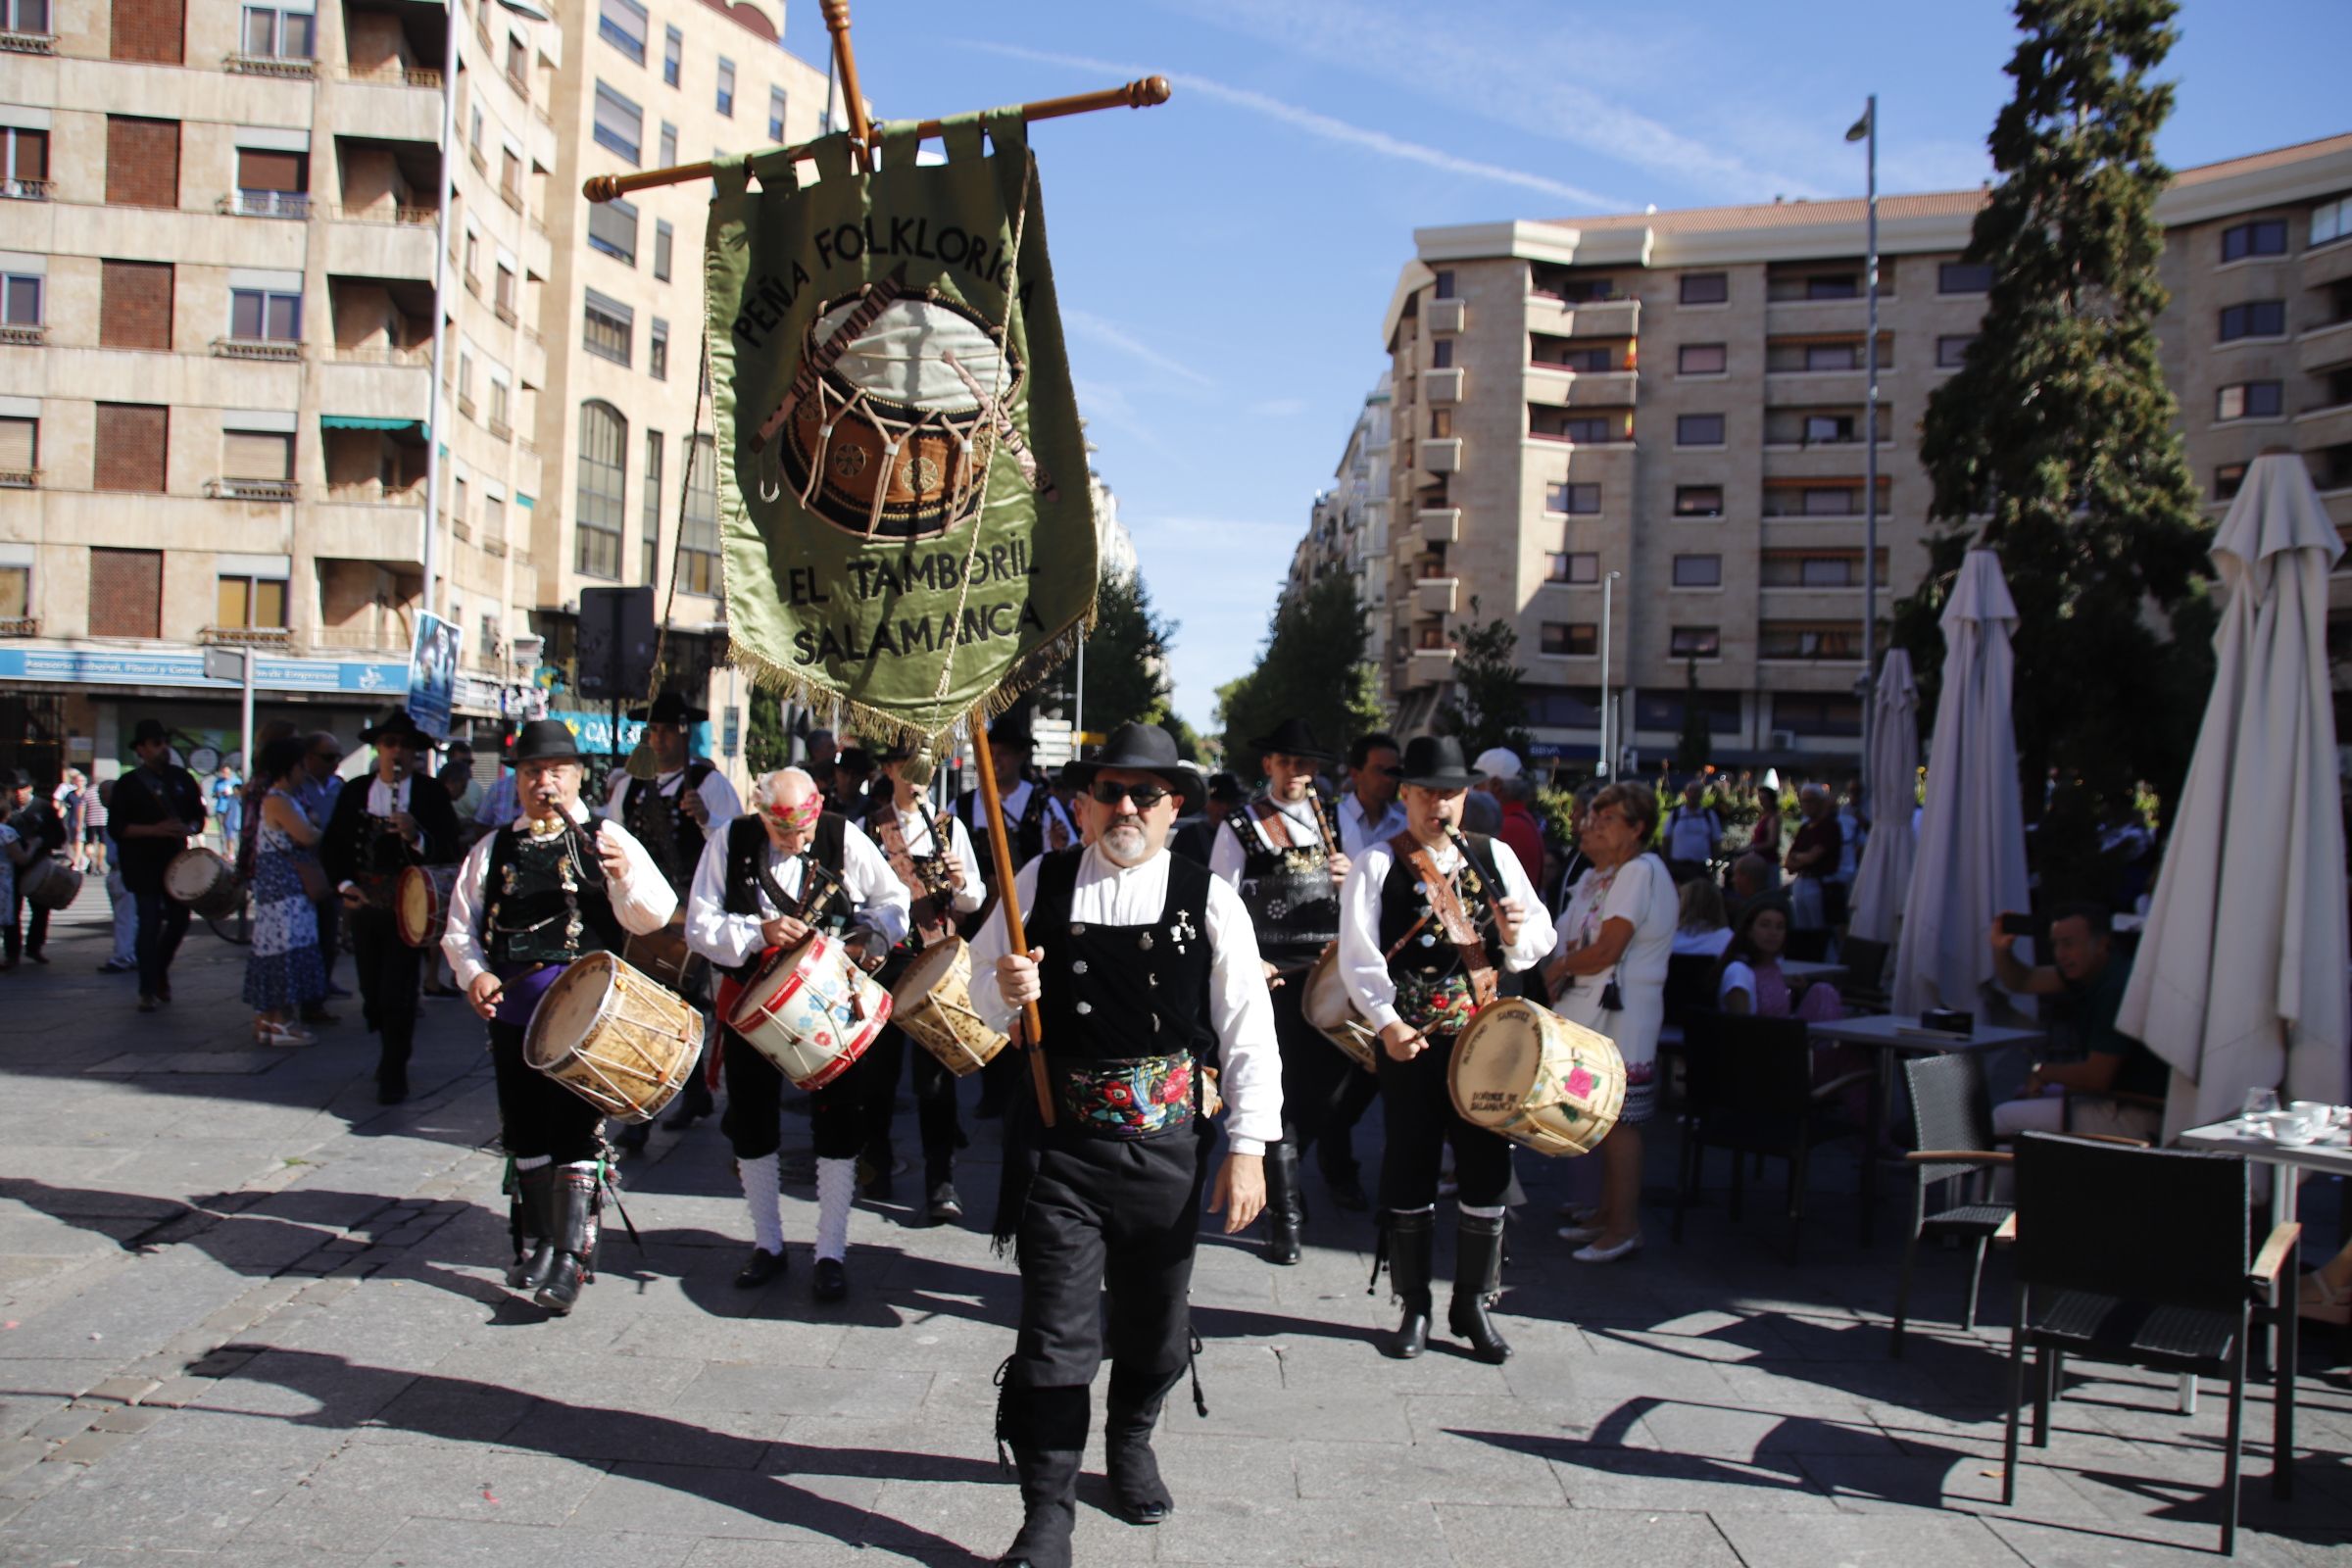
[
  {"x": 2329, "y": 1155},
  {"x": 1804, "y": 971}
]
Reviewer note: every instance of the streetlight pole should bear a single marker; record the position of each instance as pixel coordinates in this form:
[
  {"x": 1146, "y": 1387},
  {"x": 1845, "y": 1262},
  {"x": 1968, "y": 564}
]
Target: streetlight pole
[
  {"x": 1608, "y": 758},
  {"x": 1867, "y": 131}
]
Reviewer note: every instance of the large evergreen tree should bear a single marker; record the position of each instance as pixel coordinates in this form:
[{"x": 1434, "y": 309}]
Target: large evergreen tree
[
  {"x": 1312, "y": 668},
  {"x": 2056, "y": 436},
  {"x": 1126, "y": 658},
  {"x": 1489, "y": 705}
]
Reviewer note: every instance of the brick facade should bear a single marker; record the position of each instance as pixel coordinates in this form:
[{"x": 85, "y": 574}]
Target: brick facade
[
  {"x": 142, "y": 162},
  {"x": 151, "y": 31},
  {"x": 131, "y": 443},
  {"x": 136, "y": 304},
  {"x": 127, "y": 590}
]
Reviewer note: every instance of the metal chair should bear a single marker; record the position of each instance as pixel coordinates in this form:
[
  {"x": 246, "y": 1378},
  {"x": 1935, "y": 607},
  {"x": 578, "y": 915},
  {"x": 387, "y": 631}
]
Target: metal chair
[
  {"x": 2139, "y": 1257},
  {"x": 1864, "y": 986},
  {"x": 1748, "y": 1087},
  {"x": 1955, "y": 1162}
]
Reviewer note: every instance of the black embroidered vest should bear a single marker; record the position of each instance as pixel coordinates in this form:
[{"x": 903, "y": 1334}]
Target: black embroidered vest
[
  {"x": 1289, "y": 893},
  {"x": 675, "y": 843},
  {"x": 1116, "y": 992},
  {"x": 1428, "y": 963},
  {"x": 528, "y": 915},
  {"x": 748, "y": 850}
]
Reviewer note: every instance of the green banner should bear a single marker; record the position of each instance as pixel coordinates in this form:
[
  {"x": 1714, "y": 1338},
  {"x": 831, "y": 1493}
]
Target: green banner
[{"x": 908, "y": 525}]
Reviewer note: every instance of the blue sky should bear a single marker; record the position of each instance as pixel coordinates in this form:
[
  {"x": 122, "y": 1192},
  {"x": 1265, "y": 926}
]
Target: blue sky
[{"x": 1223, "y": 260}]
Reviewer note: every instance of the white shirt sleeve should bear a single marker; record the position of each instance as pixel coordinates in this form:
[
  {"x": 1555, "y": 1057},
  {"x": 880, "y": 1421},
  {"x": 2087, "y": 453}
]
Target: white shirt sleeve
[
  {"x": 1227, "y": 858},
  {"x": 643, "y": 900},
  {"x": 974, "y": 892},
  {"x": 880, "y": 897},
  {"x": 1362, "y": 965},
  {"x": 460, "y": 938},
  {"x": 720, "y": 800},
  {"x": 1737, "y": 976},
  {"x": 614, "y": 788},
  {"x": 1241, "y": 1011},
  {"x": 1057, "y": 816},
  {"x": 1536, "y": 939},
  {"x": 989, "y": 944},
  {"x": 726, "y": 939}
]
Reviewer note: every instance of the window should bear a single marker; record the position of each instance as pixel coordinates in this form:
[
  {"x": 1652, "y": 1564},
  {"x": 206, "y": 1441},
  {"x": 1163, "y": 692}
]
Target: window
[
  {"x": 1964, "y": 278},
  {"x": 2249, "y": 399},
  {"x": 142, "y": 160},
  {"x": 1833, "y": 356},
  {"x": 1827, "y": 503},
  {"x": 2227, "y": 479},
  {"x": 1583, "y": 362},
  {"x": 510, "y": 177},
  {"x": 1834, "y": 286},
  {"x": 1702, "y": 359},
  {"x": 251, "y": 601},
  {"x": 127, "y": 591},
  {"x": 664, "y": 234},
  {"x": 1706, "y": 288},
  {"x": 19, "y": 456},
  {"x": 1562, "y": 707},
  {"x": 656, "y": 350},
  {"x": 1440, "y": 354},
  {"x": 473, "y": 135},
  {"x": 1699, "y": 430},
  {"x": 2332, "y": 221},
  {"x": 652, "y": 530},
  {"x": 1806, "y": 639},
  {"x": 274, "y": 34},
  {"x": 1833, "y": 429},
  {"x": 1570, "y": 639},
  {"x": 16, "y": 582},
  {"x": 621, "y": 23},
  {"x": 493, "y": 532},
  {"x": 1590, "y": 429},
  {"x": 20, "y": 298},
  {"x": 501, "y": 292},
  {"x": 775, "y": 113},
  {"x": 604, "y": 477},
  {"x": 724, "y": 102},
  {"x": 1952, "y": 351},
  {"x": 153, "y": 30},
  {"x": 264, "y": 454},
  {"x": 1698, "y": 501},
  {"x": 1576, "y": 500},
  {"x": 2254, "y": 318},
  {"x": 673, "y": 55},
  {"x": 697, "y": 538},
  {"x": 1817, "y": 569},
  {"x": 264, "y": 315},
  {"x": 1442, "y": 287},
  {"x": 1817, "y": 716},
  {"x": 474, "y": 256},
  {"x": 2264, "y": 236},
  {"x": 500, "y": 393},
  {"x": 1440, "y": 425},
  {"x": 272, "y": 184},
  {"x": 619, "y": 124},
  {"x": 1576, "y": 567},
  {"x": 519, "y": 65},
  {"x": 1694, "y": 641},
  {"x": 607, "y": 328},
  {"x": 613, "y": 230},
  {"x": 1698, "y": 572},
  {"x": 24, "y": 162},
  {"x": 460, "y": 508},
  {"x": 26, "y": 17},
  {"x": 132, "y": 441},
  {"x": 669, "y": 143}
]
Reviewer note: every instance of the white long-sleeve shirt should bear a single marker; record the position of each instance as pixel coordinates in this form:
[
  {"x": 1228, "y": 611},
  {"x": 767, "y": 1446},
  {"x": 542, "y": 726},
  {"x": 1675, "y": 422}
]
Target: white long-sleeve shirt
[
  {"x": 718, "y": 796},
  {"x": 1363, "y": 962},
  {"x": 1240, "y": 1009},
  {"x": 729, "y": 940},
  {"x": 1358, "y": 833},
  {"x": 642, "y": 899},
  {"x": 974, "y": 815},
  {"x": 915, "y": 827},
  {"x": 1228, "y": 855}
]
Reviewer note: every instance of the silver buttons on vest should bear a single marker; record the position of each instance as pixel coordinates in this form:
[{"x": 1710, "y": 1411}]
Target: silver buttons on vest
[
  {"x": 1084, "y": 1008},
  {"x": 1078, "y": 967}
]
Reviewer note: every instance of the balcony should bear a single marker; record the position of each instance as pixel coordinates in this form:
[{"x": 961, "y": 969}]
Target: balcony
[
  {"x": 291, "y": 68},
  {"x": 293, "y": 204},
  {"x": 465, "y": 405},
  {"x": 481, "y": 165},
  {"x": 281, "y": 350},
  {"x": 1439, "y": 525},
  {"x": 392, "y": 73},
  {"x": 359, "y": 640},
  {"x": 1436, "y": 596},
  {"x": 245, "y": 636},
  {"x": 511, "y": 196},
  {"x": 473, "y": 285},
  {"x": 1553, "y": 317},
  {"x": 500, "y": 429},
  {"x": 1426, "y": 667},
  {"x": 504, "y": 312},
  {"x": 1442, "y": 386},
  {"x": 1444, "y": 315},
  {"x": 1441, "y": 455},
  {"x": 1562, "y": 387},
  {"x": 379, "y": 383},
  {"x": 2317, "y": 430},
  {"x": 21, "y": 626},
  {"x": 20, "y": 478},
  {"x": 2323, "y": 348},
  {"x": 24, "y": 336},
  {"x": 28, "y": 43},
  {"x": 385, "y": 531},
  {"x": 2327, "y": 264},
  {"x": 276, "y": 490},
  {"x": 376, "y": 247},
  {"x": 27, "y": 190}
]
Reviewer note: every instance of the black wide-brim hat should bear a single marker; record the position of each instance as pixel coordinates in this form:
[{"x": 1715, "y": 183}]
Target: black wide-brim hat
[
  {"x": 150, "y": 729},
  {"x": 1142, "y": 749},
  {"x": 545, "y": 740},
  {"x": 396, "y": 723},
  {"x": 669, "y": 709},
  {"x": 1434, "y": 763},
  {"x": 1291, "y": 738}
]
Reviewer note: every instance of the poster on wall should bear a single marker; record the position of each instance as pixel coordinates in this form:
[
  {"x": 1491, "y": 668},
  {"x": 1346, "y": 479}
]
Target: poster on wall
[{"x": 433, "y": 674}]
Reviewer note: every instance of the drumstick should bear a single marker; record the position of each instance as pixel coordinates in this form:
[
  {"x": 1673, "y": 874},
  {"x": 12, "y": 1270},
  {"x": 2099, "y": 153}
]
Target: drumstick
[{"x": 879, "y": 296}]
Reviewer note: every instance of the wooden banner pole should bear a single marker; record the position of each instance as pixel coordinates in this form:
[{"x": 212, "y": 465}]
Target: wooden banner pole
[
  {"x": 1000, "y": 849},
  {"x": 845, "y": 62}
]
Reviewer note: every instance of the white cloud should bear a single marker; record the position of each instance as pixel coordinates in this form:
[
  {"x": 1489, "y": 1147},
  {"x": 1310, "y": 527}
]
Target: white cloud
[
  {"x": 1279, "y": 408},
  {"x": 1095, "y": 329}
]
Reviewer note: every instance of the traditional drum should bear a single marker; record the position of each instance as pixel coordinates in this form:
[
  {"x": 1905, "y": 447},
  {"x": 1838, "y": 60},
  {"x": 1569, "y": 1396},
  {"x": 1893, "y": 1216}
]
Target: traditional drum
[
  {"x": 933, "y": 1002},
  {"x": 614, "y": 1036},
  {"x": 1333, "y": 1014},
  {"x": 1528, "y": 1074},
  {"x": 421, "y": 905},
  {"x": 811, "y": 1011},
  {"x": 664, "y": 956},
  {"x": 48, "y": 884},
  {"x": 205, "y": 882}
]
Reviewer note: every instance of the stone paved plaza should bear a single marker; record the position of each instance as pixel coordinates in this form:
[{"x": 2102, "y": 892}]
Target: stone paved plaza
[{"x": 252, "y": 1319}]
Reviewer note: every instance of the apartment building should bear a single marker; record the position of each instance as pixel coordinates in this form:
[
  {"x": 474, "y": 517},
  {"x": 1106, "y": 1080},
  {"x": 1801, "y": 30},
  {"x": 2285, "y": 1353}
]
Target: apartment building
[
  {"x": 1348, "y": 524},
  {"x": 654, "y": 83},
  {"x": 1656, "y": 421},
  {"x": 217, "y": 231}
]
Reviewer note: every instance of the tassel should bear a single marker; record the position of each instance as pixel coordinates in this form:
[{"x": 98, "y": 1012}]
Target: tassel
[
  {"x": 1004, "y": 1393},
  {"x": 1192, "y": 1362},
  {"x": 1380, "y": 1253}
]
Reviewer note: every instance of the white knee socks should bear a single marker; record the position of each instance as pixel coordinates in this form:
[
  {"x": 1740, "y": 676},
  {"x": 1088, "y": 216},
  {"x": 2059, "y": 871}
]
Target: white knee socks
[
  {"x": 767, "y": 1210},
  {"x": 836, "y": 1189}
]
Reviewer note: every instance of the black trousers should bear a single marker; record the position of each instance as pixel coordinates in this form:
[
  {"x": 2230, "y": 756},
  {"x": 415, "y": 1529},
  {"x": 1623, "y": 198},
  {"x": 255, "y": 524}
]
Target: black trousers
[
  {"x": 841, "y": 1113},
  {"x": 1106, "y": 1217},
  {"x": 390, "y": 970},
  {"x": 537, "y": 1116},
  {"x": 934, "y": 1106},
  {"x": 20, "y": 936},
  {"x": 1316, "y": 1076},
  {"x": 330, "y": 944},
  {"x": 163, "y": 921},
  {"x": 1420, "y": 1120}
]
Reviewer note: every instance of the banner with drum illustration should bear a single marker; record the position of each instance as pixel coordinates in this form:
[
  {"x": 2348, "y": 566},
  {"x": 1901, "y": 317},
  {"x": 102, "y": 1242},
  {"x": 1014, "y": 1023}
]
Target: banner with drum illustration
[{"x": 907, "y": 527}]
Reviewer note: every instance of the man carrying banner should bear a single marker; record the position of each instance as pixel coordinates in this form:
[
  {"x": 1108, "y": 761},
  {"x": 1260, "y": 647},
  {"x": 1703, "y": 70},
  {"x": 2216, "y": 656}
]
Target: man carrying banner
[
  {"x": 746, "y": 902},
  {"x": 544, "y": 889},
  {"x": 1275, "y": 852},
  {"x": 1147, "y": 974}
]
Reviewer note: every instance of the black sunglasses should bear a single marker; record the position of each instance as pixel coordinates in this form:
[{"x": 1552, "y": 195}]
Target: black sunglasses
[{"x": 1145, "y": 796}]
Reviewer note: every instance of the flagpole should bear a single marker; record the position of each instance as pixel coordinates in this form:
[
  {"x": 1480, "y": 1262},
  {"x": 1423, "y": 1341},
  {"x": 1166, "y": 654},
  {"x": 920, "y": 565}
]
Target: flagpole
[
  {"x": 999, "y": 850},
  {"x": 845, "y": 62}
]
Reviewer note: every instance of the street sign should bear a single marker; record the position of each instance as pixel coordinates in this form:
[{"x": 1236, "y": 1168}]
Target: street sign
[
  {"x": 730, "y": 734},
  {"x": 1051, "y": 742},
  {"x": 224, "y": 663}
]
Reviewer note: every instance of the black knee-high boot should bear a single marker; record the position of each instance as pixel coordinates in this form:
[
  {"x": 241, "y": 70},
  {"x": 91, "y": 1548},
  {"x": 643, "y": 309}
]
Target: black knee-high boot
[
  {"x": 1137, "y": 1491},
  {"x": 1477, "y": 1282},
  {"x": 1286, "y": 1206},
  {"x": 1411, "y": 1238},
  {"x": 1047, "y": 1437},
  {"x": 535, "y": 1230},
  {"x": 574, "y": 1232}
]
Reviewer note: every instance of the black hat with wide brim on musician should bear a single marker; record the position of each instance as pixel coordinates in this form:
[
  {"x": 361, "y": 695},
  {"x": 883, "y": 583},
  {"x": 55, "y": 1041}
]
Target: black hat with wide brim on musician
[
  {"x": 1140, "y": 749},
  {"x": 1434, "y": 763},
  {"x": 1291, "y": 738},
  {"x": 545, "y": 740},
  {"x": 397, "y": 724},
  {"x": 669, "y": 707}
]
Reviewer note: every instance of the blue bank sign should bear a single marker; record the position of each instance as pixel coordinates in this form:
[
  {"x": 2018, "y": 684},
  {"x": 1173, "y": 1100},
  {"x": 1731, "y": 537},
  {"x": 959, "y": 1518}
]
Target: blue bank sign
[{"x": 100, "y": 668}]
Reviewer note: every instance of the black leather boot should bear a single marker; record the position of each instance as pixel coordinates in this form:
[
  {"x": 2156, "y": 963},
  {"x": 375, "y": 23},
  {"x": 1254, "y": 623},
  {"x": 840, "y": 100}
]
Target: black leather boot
[
  {"x": 692, "y": 1102},
  {"x": 1048, "y": 1445},
  {"x": 535, "y": 1254},
  {"x": 1477, "y": 1282},
  {"x": 1411, "y": 1236},
  {"x": 1286, "y": 1206},
  {"x": 1137, "y": 1495},
  {"x": 575, "y": 1239}
]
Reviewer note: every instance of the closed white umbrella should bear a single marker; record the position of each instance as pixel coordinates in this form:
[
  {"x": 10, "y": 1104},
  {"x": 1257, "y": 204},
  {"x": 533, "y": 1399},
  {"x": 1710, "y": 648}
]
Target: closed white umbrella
[
  {"x": 2240, "y": 978},
  {"x": 1970, "y": 862},
  {"x": 1885, "y": 875}
]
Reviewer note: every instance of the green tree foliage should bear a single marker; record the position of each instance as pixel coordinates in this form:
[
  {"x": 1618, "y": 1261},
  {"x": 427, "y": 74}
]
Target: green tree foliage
[
  {"x": 1126, "y": 658},
  {"x": 1489, "y": 705},
  {"x": 1691, "y": 748},
  {"x": 2058, "y": 433},
  {"x": 1312, "y": 667},
  {"x": 766, "y": 745}
]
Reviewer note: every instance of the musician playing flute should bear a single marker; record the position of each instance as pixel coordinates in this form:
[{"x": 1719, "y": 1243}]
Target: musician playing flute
[
  {"x": 780, "y": 871},
  {"x": 377, "y": 829},
  {"x": 1145, "y": 971},
  {"x": 1435, "y": 925},
  {"x": 672, "y": 814},
  {"x": 1276, "y": 852},
  {"x": 546, "y": 888},
  {"x": 931, "y": 856}
]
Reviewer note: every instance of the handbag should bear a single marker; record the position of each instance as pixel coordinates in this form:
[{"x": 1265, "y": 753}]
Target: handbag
[{"x": 315, "y": 886}]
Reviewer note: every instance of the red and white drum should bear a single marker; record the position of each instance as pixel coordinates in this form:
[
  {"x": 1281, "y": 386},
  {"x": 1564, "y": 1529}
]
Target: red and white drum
[
  {"x": 421, "y": 905},
  {"x": 811, "y": 1011}
]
